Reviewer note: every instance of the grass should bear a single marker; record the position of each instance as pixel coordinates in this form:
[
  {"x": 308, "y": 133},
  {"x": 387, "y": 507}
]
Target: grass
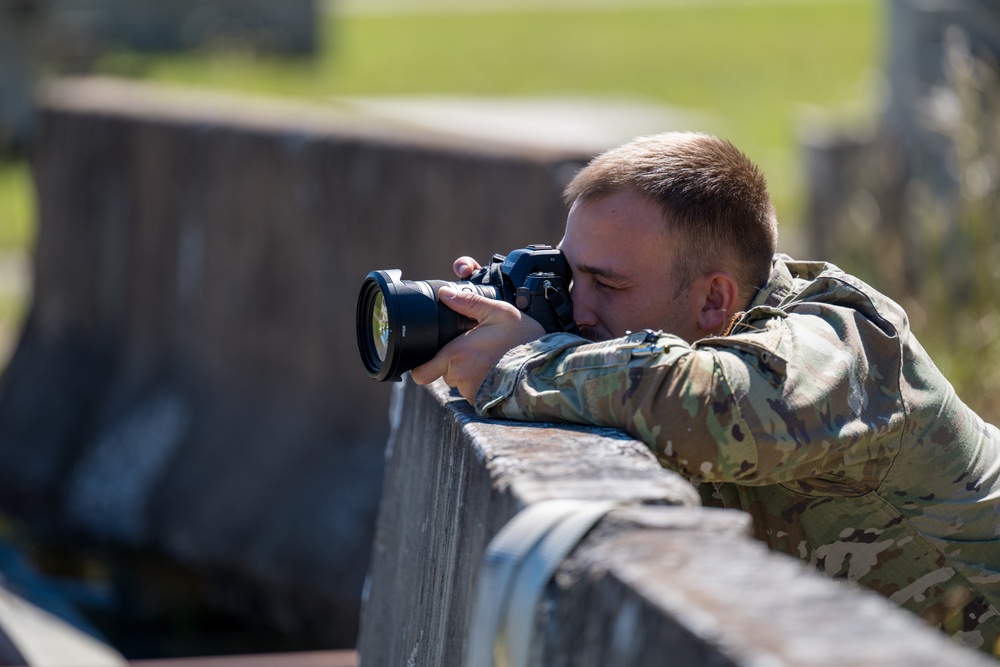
[
  {"x": 17, "y": 231},
  {"x": 17, "y": 206},
  {"x": 750, "y": 67}
]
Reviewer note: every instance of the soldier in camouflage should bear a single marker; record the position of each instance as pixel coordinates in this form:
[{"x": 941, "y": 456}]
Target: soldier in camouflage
[{"x": 790, "y": 389}]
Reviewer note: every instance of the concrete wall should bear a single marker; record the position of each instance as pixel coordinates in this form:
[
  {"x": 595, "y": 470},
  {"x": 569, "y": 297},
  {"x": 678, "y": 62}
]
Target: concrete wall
[
  {"x": 188, "y": 384},
  {"x": 658, "y": 581}
]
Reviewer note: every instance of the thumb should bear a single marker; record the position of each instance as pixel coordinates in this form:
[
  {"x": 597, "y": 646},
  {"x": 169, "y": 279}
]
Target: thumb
[{"x": 475, "y": 305}]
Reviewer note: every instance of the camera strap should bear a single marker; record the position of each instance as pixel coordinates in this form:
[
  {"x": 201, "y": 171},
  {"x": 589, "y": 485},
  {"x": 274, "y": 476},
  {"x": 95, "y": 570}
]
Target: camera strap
[
  {"x": 517, "y": 566},
  {"x": 562, "y": 308}
]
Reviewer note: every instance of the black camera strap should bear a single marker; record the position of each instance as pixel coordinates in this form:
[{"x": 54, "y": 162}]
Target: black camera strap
[{"x": 561, "y": 307}]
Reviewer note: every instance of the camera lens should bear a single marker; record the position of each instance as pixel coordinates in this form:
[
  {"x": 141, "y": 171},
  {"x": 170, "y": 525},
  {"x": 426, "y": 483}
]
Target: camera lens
[
  {"x": 401, "y": 324},
  {"x": 380, "y": 326}
]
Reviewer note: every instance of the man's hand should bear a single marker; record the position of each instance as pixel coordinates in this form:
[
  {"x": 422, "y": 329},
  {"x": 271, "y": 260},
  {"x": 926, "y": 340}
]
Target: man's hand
[
  {"x": 465, "y": 266},
  {"x": 465, "y": 361}
]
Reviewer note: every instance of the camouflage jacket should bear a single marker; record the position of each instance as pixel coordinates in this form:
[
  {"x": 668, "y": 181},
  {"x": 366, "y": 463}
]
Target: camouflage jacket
[{"x": 819, "y": 414}]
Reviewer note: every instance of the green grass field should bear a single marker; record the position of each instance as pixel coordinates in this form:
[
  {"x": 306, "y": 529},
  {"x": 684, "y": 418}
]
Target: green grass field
[{"x": 751, "y": 66}]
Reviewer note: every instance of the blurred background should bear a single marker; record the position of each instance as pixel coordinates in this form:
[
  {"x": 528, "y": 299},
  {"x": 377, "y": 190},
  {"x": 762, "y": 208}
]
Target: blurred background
[{"x": 382, "y": 134}]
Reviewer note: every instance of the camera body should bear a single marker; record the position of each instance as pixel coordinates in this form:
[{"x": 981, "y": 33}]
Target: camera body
[
  {"x": 401, "y": 323},
  {"x": 536, "y": 280}
]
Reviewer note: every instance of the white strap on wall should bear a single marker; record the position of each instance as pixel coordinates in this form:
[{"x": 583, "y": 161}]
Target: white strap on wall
[
  {"x": 44, "y": 640},
  {"x": 517, "y": 566}
]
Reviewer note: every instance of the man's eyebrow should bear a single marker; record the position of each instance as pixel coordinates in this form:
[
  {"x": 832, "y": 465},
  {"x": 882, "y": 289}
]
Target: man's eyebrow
[{"x": 602, "y": 272}]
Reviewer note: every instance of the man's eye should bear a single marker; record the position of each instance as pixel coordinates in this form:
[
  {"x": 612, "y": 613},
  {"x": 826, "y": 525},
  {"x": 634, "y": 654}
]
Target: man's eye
[{"x": 604, "y": 286}]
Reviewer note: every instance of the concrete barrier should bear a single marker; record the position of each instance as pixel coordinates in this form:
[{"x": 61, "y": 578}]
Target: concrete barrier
[
  {"x": 187, "y": 386},
  {"x": 658, "y": 580}
]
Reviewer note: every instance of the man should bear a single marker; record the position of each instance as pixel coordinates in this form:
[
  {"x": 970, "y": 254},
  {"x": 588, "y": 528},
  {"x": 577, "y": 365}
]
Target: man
[{"x": 795, "y": 390}]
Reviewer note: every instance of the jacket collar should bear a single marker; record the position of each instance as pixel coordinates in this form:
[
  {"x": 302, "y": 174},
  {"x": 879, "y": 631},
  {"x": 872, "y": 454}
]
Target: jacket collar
[{"x": 779, "y": 284}]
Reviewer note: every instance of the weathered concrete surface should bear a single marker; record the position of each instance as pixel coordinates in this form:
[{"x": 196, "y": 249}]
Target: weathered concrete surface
[
  {"x": 452, "y": 481},
  {"x": 661, "y": 581},
  {"x": 680, "y": 583},
  {"x": 188, "y": 384}
]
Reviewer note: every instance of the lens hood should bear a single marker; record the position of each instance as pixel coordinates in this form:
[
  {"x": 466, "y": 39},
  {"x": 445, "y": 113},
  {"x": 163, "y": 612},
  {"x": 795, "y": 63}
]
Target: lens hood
[{"x": 401, "y": 324}]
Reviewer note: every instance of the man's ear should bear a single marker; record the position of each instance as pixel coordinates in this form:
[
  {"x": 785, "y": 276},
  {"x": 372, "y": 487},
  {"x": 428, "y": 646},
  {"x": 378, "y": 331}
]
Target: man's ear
[{"x": 721, "y": 294}]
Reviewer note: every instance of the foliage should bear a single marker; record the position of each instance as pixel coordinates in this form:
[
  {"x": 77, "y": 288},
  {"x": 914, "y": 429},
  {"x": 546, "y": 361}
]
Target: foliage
[
  {"x": 930, "y": 239},
  {"x": 963, "y": 243}
]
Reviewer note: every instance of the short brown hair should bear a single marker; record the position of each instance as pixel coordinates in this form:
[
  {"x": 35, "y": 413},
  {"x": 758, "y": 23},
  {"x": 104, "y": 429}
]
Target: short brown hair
[{"x": 707, "y": 189}]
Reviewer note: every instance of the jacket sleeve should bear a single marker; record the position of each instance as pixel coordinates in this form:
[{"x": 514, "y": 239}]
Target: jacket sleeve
[{"x": 797, "y": 399}]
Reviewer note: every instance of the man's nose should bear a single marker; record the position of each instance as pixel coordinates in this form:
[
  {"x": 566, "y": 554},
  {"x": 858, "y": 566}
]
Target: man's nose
[{"x": 583, "y": 310}]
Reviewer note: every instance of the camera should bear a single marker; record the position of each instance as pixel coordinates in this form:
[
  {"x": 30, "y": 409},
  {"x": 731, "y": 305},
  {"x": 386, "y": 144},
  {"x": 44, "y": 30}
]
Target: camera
[{"x": 401, "y": 323}]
